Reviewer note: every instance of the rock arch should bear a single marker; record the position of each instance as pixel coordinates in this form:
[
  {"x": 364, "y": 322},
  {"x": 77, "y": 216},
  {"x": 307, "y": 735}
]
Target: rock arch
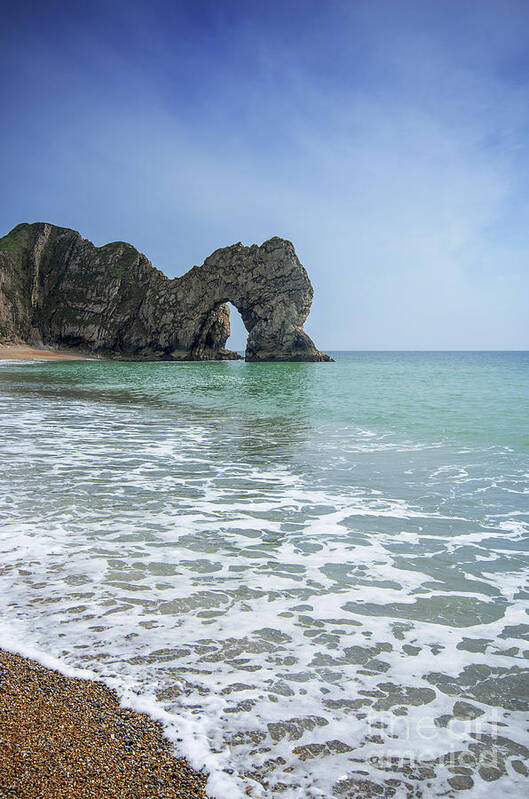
[
  {"x": 270, "y": 289},
  {"x": 112, "y": 300}
]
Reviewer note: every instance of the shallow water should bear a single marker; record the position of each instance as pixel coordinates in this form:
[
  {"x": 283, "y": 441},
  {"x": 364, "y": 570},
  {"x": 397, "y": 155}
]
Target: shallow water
[{"x": 318, "y": 570}]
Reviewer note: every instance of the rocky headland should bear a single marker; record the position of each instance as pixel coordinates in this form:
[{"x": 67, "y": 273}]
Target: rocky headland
[{"x": 59, "y": 290}]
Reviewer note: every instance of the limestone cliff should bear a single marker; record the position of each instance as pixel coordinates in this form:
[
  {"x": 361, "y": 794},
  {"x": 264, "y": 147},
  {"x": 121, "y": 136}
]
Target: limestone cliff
[{"x": 58, "y": 289}]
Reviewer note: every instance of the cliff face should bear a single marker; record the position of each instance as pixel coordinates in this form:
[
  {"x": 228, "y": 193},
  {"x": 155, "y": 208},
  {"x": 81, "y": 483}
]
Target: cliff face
[{"x": 57, "y": 288}]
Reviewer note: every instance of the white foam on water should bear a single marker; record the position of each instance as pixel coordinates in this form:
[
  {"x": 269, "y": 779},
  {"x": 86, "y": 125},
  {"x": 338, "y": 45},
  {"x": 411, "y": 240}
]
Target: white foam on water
[{"x": 286, "y": 625}]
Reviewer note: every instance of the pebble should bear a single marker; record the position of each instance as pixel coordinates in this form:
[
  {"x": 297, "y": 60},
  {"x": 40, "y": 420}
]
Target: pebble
[{"x": 54, "y": 745}]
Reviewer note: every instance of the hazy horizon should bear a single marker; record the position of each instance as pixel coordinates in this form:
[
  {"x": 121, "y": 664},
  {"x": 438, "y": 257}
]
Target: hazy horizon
[{"x": 388, "y": 141}]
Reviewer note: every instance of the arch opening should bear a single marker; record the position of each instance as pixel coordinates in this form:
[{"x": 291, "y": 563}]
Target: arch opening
[{"x": 238, "y": 332}]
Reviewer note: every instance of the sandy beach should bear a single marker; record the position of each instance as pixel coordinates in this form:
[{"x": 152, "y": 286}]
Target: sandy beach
[
  {"x": 23, "y": 352},
  {"x": 62, "y": 737}
]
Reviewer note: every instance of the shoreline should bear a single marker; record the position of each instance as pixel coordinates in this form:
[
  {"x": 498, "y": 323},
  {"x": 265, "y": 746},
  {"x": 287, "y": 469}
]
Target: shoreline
[
  {"x": 24, "y": 352},
  {"x": 64, "y": 736}
]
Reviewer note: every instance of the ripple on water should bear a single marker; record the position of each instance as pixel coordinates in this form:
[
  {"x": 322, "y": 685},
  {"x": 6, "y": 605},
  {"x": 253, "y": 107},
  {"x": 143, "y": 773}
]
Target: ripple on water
[{"x": 323, "y": 626}]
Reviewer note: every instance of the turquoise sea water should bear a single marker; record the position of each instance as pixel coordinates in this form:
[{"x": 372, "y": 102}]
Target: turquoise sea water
[{"x": 316, "y": 574}]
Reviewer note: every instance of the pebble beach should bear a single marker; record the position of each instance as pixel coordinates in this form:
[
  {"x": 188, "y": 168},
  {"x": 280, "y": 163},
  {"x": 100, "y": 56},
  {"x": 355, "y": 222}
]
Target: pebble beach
[
  {"x": 24, "y": 352},
  {"x": 64, "y": 738}
]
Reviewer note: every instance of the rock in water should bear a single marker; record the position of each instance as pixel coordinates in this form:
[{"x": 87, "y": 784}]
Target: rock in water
[{"x": 58, "y": 289}]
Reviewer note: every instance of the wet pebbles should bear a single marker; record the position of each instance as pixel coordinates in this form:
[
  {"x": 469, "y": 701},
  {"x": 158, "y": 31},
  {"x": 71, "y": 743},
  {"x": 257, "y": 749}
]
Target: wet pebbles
[{"x": 63, "y": 738}]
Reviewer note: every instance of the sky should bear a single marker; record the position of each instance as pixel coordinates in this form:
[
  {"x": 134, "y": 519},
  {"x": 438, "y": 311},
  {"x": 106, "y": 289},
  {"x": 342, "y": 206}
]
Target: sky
[{"x": 387, "y": 139}]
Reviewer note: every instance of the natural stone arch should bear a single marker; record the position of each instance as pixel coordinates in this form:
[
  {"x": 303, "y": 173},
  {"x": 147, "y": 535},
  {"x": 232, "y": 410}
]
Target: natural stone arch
[
  {"x": 57, "y": 288},
  {"x": 272, "y": 292}
]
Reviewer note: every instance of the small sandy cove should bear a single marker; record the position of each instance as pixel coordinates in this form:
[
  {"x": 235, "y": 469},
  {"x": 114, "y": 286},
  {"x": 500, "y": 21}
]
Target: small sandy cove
[{"x": 23, "y": 352}]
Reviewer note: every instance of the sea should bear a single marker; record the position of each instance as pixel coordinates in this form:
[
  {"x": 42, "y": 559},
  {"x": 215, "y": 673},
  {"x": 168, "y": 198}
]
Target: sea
[{"x": 314, "y": 575}]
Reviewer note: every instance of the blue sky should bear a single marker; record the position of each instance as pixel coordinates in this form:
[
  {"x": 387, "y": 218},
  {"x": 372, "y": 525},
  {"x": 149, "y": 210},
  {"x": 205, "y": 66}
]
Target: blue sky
[{"x": 389, "y": 140}]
